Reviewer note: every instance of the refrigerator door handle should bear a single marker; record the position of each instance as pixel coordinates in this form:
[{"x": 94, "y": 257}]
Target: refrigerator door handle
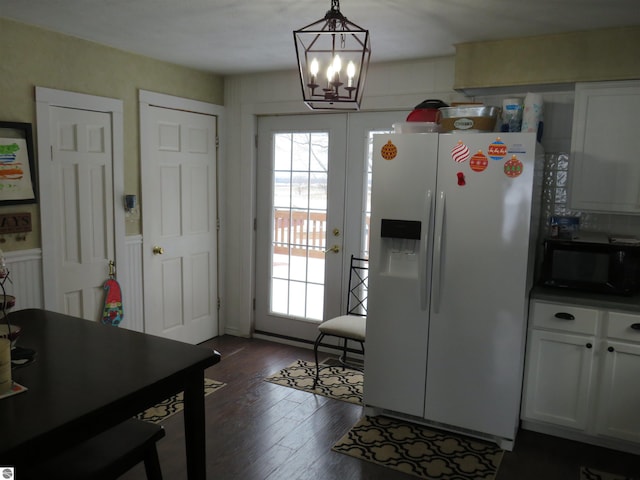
[
  {"x": 424, "y": 260},
  {"x": 437, "y": 253}
]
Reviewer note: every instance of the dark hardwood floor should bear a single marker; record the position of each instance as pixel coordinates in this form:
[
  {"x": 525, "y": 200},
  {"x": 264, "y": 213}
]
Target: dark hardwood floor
[{"x": 258, "y": 430}]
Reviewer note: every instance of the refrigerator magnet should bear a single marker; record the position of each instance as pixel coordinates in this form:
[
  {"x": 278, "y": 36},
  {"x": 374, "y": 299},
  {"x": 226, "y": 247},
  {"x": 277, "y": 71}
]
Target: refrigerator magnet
[
  {"x": 389, "y": 151},
  {"x": 460, "y": 153},
  {"x": 461, "y": 180},
  {"x": 497, "y": 150},
  {"x": 479, "y": 162},
  {"x": 513, "y": 167}
]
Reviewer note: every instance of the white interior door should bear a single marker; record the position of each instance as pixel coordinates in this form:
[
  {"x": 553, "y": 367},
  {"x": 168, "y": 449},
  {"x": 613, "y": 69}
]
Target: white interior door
[
  {"x": 179, "y": 224},
  {"x": 81, "y": 229},
  {"x": 313, "y": 207}
]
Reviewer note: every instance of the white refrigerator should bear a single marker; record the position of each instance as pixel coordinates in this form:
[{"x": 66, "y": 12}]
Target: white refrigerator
[{"x": 452, "y": 222}]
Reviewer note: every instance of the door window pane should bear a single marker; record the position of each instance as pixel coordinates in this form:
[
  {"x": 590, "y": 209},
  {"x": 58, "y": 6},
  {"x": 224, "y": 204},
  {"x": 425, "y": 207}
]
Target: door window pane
[
  {"x": 366, "y": 214},
  {"x": 299, "y": 207}
]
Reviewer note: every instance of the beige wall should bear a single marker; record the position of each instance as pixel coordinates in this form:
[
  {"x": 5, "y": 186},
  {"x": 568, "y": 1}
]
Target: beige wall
[{"x": 32, "y": 57}]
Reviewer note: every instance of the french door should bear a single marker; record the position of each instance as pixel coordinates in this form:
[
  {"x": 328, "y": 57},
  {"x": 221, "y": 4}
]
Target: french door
[{"x": 313, "y": 178}]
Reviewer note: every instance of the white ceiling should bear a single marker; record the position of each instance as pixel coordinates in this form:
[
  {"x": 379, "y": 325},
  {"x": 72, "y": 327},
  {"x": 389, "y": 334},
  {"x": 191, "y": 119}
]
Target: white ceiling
[{"x": 241, "y": 36}]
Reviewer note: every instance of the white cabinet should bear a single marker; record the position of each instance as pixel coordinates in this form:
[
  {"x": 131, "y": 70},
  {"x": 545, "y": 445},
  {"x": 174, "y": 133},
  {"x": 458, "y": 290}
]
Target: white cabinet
[
  {"x": 559, "y": 364},
  {"x": 619, "y": 396},
  {"x": 604, "y": 168},
  {"x": 560, "y": 373},
  {"x": 582, "y": 369}
]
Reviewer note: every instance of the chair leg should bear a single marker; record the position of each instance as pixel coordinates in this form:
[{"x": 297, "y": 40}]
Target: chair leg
[
  {"x": 152, "y": 464},
  {"x": 315, "y": 353},
  {"x": 343, "y": 358}
]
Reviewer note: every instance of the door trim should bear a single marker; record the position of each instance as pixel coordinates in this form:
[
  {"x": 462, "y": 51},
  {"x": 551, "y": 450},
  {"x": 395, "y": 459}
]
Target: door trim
[
  {"x": 45, "y": 99},
  {"x": 148, "y": 99}
]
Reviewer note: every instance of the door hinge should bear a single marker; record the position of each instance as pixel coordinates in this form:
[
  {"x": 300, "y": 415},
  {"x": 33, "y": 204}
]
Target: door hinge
[
  {"x": 218, "y": 224},
  {"x": 255, "y": 224},
  {"x": 51, "y": 146},
  {"x": 256, "y": 140},
  {"x": 254, "y": 304},
  {"x": 218, "y": 303},
  {"x": 217, "y": 142}
]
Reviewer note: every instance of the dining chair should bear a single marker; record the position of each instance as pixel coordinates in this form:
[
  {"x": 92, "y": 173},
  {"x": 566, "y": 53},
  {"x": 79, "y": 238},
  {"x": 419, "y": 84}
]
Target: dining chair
[
  {"x": 106, "y": 456},
  {"x": 353, "y": 325}
]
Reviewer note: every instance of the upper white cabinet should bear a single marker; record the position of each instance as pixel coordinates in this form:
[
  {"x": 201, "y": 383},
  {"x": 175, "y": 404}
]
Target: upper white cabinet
[{"x": 605, "y": 147}]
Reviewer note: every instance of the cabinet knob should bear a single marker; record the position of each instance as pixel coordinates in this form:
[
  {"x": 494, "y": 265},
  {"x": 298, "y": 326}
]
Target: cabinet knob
[
  {"x": 564, "y": 316},
  {"x": 589, "y": 345},
  {"x": 610, "y": 349},
  {"x": 635, "y": 326}
]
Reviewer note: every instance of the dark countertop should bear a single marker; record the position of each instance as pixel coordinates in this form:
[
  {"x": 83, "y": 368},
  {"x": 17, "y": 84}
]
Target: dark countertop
[{"x": 611, "y": 302}]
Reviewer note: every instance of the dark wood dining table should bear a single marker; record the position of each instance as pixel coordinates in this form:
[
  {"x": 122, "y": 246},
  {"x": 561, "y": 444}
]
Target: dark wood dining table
[{"x": 88, "y": 377}]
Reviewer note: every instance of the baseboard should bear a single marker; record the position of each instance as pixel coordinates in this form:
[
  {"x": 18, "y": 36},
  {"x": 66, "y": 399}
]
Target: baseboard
[
  {"x": 284, "y": 340},
  {"x": 301, "y": 343},
  {"x": 557, "y": 431},
  {"x": 235, "y": 332}
]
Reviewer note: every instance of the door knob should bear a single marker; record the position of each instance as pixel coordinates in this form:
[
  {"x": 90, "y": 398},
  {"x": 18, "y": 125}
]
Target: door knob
[
  {"x": 158, "y": 250},
  {"x": 334, "y": 249}
]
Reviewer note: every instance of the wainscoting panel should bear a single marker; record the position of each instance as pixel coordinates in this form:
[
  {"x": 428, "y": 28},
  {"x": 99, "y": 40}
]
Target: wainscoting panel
[
  {"x": 130, "y": 276},
  {"x": 25, "y": 278},
  {"x": 25, "y": 274}
]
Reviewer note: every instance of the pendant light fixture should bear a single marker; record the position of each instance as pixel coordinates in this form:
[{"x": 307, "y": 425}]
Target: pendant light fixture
[{"x": 333, "y": 58}]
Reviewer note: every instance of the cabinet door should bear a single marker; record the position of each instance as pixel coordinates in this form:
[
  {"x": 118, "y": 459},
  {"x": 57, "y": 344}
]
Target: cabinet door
[
  {"x": 558, "y": 378},
  {"x": 605, "y": 172},
  {"x": 618, "y": 410}
]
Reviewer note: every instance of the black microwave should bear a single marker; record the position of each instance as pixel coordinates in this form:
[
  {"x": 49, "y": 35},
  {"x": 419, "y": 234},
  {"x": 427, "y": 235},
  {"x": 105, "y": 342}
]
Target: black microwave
[{"x": 591, "y": 266}]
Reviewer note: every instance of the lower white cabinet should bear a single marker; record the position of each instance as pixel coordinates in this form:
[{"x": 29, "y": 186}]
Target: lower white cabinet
[
  {"x": 582, "y": 371},
  {"x": 619, "y": 393},
  {"x": 559, "y": 378}
]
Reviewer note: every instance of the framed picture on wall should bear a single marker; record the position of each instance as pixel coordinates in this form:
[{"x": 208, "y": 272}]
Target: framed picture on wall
[{"x": 17, "y": 169}]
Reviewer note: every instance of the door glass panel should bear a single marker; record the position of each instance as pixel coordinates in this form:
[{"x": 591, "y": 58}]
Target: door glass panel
[
  {"x": 299, "y": 223},
  {"x": 366, "y": 214}
]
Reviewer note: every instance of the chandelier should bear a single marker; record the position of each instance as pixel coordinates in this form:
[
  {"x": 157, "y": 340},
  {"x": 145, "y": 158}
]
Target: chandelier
[{"x": 333, "y": 57}]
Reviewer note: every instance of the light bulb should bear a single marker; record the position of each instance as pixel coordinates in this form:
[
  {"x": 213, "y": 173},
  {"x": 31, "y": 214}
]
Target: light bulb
[
  {"x": 330, "y": 73},
  {"x": 315, "y": 67},
  {"x": 337, "y": 63},
  {"x": 351, "y": 72}
]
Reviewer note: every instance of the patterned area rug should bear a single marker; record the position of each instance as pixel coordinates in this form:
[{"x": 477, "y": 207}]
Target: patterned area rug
[
  {"x": 420, "y": 451},
  {"x": 175, "y": 404},
  {"x": 592, "y": 474},
  {"x": 335, "y": 382}
]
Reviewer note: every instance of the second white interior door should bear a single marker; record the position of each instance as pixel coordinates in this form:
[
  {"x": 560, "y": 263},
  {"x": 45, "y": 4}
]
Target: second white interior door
[{"x": 180, "y": 238}]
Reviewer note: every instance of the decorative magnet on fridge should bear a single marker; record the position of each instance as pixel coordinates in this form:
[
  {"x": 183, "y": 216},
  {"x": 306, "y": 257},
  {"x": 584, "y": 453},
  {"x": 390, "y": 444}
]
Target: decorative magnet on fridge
[
  {"x": 460, "y": 153},
  {"x": 479, "y": 162},
  {"x": 461, "y": 180},
  {"x": 389, "y": 151},
  {"x": 513, "y": 167},
  {"x": 497, "y": 150}
]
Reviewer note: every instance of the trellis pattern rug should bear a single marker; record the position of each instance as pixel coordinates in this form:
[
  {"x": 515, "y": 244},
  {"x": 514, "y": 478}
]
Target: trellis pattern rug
[
  {"x": 592, "y": 474},
  {"x": 175, "y": 404},
  {"x": 334, "y": 382},
  {"x": 420, "y": 451}
]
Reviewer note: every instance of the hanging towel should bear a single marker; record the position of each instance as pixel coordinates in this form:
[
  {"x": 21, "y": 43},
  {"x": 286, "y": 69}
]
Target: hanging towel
[{"x": 112, "y": 314}]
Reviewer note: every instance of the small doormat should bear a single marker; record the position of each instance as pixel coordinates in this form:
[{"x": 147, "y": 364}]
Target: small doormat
[
  {"x": 334, "y": 382},
  {"x": 420, "y": 451},
  {"x": 592, "y": 474},
  {"x": 175, "y": 404}
]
